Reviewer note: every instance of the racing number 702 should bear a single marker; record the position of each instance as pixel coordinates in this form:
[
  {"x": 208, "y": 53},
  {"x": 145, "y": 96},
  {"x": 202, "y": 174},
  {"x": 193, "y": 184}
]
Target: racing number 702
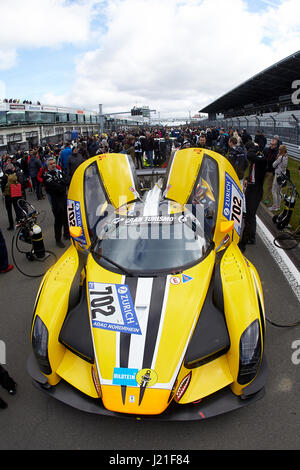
[
  {"x": 103, "y": 299},
  {"x": 71, "y": 215},
  {"x": 236, "y": 209}
]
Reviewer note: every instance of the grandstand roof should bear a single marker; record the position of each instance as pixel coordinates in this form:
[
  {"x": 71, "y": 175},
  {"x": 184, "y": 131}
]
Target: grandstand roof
[{"x": 272, "y": 82}]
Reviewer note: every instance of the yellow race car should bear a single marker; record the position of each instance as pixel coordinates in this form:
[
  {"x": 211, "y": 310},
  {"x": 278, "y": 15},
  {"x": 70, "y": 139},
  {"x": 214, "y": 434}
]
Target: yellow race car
[{"x": 152, "y": 311}]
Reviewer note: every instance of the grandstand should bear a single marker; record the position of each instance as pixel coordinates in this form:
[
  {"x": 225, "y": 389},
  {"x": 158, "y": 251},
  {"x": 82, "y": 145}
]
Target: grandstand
[{"x": 265, "y": 101}]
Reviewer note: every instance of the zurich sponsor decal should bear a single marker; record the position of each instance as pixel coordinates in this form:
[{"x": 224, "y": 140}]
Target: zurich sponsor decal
[
  {"x": 112, "y": 308},
  {"x": 227, "y": 197},
  {"x": 233, "y": 203}
]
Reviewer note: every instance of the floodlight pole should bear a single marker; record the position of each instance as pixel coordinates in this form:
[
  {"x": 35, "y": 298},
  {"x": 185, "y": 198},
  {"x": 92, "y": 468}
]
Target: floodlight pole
[
  {"x": 101, "y": 118},
  {"x": 297, "y": 128},
  {"x": 274, "y": 124}
]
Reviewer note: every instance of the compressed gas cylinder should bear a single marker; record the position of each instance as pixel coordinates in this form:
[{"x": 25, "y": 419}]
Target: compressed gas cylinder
[{"x": 38, "y": 242}]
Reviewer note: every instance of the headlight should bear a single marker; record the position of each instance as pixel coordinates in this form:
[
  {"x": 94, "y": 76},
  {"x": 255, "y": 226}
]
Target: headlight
[
  {"x": 39, "y": 342},
  {"x": 250, "y": 353}
]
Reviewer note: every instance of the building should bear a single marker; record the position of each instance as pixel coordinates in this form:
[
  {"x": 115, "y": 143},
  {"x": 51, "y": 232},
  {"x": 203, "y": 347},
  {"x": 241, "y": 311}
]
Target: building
[
  {"x": 269, "y": 91},
  {"x": 24, "y": 125},
  {"x": 269, "y": 101}
]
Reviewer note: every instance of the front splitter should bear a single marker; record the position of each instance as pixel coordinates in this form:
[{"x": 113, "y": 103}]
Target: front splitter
[{"x": 218, "y": 403}]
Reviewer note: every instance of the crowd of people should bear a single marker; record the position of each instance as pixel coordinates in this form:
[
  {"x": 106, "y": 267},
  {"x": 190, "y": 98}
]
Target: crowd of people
[
  {"x": 18, "y": 101},
  {"x": 47, "y": 171}
]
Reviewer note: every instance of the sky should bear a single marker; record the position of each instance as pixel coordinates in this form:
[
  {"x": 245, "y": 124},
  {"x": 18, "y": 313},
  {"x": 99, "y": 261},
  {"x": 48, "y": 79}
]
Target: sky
[{"x": 175, "y": 56}]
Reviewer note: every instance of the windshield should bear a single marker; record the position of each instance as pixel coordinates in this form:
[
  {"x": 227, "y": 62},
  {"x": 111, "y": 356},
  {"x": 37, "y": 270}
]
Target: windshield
[
  {"x": 164, "y": 242},
  {"x": 156, "y": 234}
]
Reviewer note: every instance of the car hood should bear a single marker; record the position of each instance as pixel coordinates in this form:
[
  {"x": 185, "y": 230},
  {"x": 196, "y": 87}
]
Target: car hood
[{"x": 141, "y": 327}]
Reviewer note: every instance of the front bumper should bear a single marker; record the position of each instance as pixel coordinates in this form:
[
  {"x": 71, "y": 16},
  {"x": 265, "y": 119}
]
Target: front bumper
[{"x": 220, "y": 402}]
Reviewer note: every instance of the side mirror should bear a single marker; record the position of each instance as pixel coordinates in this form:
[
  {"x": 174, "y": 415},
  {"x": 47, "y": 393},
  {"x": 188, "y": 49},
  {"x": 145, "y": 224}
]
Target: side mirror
[
  {"x": 226, "y": 227},
  {"x": 75, "y": 231}
]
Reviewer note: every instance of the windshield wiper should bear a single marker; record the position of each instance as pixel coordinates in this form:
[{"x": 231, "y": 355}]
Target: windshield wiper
[{"x": 121, "y": 268}]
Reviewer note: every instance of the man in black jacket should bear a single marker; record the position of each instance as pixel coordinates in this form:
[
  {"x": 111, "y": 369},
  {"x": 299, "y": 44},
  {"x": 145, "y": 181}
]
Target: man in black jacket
[
  {"x": 34, "y": 166},
  {"x": 237, "y": 158},
  {"x": 245, "y": 137},
  {"x": 202, "y": 142},
  {"x": 260, "y": 139},
  {"x": 92, "y": 146},
  {"x": 254, "y": 192},
  {"x": 56, "y": 185},
  {"x": 148, "y": 146},
  {"x": 74, "y": 160}
]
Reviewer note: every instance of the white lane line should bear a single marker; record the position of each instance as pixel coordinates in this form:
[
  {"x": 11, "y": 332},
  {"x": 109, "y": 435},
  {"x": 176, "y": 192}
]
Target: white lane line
[{"x": 288, "y": 268}]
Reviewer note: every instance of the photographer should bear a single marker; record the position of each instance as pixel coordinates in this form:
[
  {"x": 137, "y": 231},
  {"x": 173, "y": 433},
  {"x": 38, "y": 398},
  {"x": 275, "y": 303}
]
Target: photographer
[
  {"x": 237, "y": 158},
  {"x": 253, "y": 193},
  {"x": 280, "y": 166},
  {"x": 56, "y": 185}
]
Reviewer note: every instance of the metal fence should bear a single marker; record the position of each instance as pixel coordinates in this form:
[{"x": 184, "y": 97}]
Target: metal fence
[{"x": 286, "y": 126}]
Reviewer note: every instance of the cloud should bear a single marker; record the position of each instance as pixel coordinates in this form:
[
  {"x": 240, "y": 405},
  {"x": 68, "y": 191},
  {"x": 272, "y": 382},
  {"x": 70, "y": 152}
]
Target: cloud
[
  {"x": 7, "y": 58},
  {"x": 174, "y": 56},
  {"x": 46, "y": 23}
]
